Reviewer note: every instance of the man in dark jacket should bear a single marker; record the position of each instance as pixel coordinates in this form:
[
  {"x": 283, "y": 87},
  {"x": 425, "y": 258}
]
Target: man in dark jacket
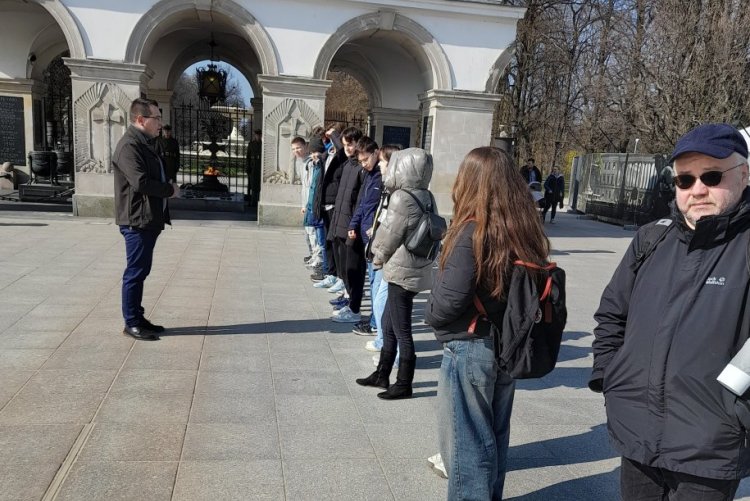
[
  {"x": 668, "y": 327},
  {"x": 530, "y": 172},
  {"x": 141, "y": 190},
  {"x": 347, "y": 255},
  {"x": 325, "y": 201}
]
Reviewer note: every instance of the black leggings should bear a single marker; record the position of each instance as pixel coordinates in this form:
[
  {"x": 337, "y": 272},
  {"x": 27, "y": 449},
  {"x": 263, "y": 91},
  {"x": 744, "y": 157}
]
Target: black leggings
[
  {"x": 550, "y": 201},
  {"x": 396, "y": 322}
]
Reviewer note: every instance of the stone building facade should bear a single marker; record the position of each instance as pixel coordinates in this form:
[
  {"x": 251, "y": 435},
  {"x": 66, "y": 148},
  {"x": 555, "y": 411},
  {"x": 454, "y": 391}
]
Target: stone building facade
[{"x": 429, "y": 68}]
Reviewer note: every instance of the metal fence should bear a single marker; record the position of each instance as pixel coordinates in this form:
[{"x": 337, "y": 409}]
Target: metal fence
[
  {"x": 619, "y": 187},
  {"x": 226, "y": 131}
]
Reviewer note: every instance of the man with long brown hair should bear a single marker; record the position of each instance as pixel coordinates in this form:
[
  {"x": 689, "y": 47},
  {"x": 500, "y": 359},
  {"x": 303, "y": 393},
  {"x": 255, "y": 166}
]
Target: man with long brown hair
[{"x": 495, "y": 222}]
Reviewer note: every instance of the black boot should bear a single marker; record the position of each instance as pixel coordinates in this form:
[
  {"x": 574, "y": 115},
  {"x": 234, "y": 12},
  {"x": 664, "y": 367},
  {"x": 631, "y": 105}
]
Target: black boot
[
  {"x": 404, "y": 378},
  {"x": 379, "y": 378}
]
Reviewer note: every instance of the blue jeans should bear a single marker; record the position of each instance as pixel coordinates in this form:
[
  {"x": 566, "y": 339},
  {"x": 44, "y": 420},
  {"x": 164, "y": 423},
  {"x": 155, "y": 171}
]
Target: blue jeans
[
  {"x": 320, "y": 234},
  {"x": 475, "y": 400},
  {"x": 375, "y": 276},
  {"x": 379, "y": 298},
  {"x": 139, "y": 253}
]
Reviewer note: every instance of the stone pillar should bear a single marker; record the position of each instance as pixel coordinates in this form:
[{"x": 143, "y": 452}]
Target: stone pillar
[
  {"x": 395, "y": 126},
  {"x": 17, "y": 117},
  {"x": 292, "y": 106},
  {"x": 164, "y": 98},
  {"x": 102, "y": 93},
  {"x": 453, "y": 123}
]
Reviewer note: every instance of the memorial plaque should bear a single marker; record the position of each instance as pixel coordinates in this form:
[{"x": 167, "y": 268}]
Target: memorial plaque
[
  {"x": 396, "y": 135},
  {"x": 12, "y": 135},
  {"x": 427, "y": 133}
]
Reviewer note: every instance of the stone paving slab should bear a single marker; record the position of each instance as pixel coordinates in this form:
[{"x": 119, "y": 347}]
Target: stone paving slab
[{"x": 250, "y": 394}]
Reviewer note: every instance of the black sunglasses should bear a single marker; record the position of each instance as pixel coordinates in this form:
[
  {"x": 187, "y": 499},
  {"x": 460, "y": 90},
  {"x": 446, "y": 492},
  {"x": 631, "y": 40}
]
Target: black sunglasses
[{"x": 710, "y": 178}]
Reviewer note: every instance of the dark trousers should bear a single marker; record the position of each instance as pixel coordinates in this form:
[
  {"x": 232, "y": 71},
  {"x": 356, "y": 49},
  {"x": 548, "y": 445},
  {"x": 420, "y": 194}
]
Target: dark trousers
[
  {"x": 139, "y": 253},
  {"x": 329, "y": 266},
  {"x": 639, "y": 482},
  {"x": 550, "y": 201},
  {"x": 352, "y": 268},
  {"x": 396, "y": 322}
]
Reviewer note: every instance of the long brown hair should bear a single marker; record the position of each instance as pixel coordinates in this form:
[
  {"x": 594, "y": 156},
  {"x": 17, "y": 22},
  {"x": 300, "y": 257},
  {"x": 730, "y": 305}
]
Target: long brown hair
[{"x": 490, "y": 191}]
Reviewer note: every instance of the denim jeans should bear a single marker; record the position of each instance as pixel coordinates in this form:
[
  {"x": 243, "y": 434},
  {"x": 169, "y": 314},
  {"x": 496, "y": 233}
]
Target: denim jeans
[
  {"x": 139, "y": 253},
  {"x": 320, "y": 234},
  {"x": 375, "y": 277},
  {"x": 475, "y": 400}
]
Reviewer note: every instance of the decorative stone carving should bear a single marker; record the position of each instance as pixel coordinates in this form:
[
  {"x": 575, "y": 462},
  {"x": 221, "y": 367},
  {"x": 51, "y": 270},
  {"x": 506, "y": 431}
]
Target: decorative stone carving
[
  {"x": 101, "y": 118},
  {"x": 291, "y": 118}
]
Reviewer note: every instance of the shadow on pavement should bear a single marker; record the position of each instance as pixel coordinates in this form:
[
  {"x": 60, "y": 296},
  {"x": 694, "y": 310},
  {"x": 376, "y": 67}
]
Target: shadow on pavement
[{"x": 580, "y": 489}]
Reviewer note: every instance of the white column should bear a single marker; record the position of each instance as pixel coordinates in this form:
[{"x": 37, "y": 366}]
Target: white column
[
  {"x": 454, "y": 123},
  {"x": 100, "y": 89},
  {"x": 292, "y": 106}
]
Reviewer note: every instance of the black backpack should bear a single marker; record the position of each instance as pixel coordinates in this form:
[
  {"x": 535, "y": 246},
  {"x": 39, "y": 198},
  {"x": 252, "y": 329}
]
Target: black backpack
[
  {"x": 528, "y": 343},
  {"x": 425, "y": 240}
]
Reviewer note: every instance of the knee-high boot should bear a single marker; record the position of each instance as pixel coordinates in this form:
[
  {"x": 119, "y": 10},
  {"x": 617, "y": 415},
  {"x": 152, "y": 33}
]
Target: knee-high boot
[
  {"x": 402, "y": 387},
  {"x": 380, "y": 378}
]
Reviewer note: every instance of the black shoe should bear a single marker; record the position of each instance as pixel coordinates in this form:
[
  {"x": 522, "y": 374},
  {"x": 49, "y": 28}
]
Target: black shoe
[
  {"x": 363, "y": 328},
  {"x": 146, "y": 325},
  {"x": 402, "y": 387},
  {"x": 317, "y": 276},
  {"x": 138, "y": 333}
]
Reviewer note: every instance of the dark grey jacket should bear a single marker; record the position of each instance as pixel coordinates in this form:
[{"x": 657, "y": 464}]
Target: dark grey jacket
[
  {"x": 139, "y": 189},
  {"x": 663, "y": 336}
]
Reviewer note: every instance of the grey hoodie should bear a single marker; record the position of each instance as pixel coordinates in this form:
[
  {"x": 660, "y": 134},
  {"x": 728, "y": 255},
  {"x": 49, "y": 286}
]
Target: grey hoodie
[{"x": 409, "y": 169}]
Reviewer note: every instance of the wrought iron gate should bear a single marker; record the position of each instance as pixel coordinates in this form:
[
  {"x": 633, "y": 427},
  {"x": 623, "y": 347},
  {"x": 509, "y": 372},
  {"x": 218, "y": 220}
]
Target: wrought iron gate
[{"x": 213, "y": 149}]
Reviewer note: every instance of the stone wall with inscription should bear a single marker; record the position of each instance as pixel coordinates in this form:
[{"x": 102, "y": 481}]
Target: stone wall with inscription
[{"x": 12, "y": 130}]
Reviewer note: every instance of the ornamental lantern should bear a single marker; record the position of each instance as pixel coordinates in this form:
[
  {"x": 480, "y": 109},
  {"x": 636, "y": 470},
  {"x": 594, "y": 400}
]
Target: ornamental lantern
[{"x": 212, "y": 82}]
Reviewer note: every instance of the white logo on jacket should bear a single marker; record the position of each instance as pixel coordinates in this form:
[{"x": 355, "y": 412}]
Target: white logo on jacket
[{"x": 716, "y": 281}]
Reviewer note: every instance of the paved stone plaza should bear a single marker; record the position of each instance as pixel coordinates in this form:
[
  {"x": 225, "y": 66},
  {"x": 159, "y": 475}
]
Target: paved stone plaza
[{"x": 251, "y": 393}]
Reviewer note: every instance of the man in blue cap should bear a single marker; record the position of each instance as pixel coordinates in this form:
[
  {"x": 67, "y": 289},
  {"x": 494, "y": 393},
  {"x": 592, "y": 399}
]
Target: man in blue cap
[{"x": 673, "y": 315}]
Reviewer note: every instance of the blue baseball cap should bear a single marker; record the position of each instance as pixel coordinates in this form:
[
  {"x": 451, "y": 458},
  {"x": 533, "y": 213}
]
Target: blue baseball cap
[{"x": 714, "y": 140}]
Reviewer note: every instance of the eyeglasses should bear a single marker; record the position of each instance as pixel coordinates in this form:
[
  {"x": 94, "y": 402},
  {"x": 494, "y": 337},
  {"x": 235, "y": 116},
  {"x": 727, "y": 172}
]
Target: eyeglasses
[
  {"x": 366, "y": 160},
  {"x": 710, "y": 178},
  {"x": 157, "y": 117}
]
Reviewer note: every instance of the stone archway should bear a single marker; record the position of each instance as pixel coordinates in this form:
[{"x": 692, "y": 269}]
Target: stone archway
[
  {"x": 68, "y": 26},
  {"x": 243, "y": 20},
  {"x": 496, "y": 72},
  {"x": 442, "y": 78}
]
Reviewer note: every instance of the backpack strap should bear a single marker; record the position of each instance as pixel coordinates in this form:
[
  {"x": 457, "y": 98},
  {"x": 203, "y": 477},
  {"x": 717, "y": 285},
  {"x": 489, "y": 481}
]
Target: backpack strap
[
  {"x": 421, "y": 207},
  {"x": 651, "y": 238},
  {"x": 482, "y": 313}
]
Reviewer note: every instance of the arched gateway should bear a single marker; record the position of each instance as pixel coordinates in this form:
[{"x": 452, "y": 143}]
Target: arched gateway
[{"x": 429, "y": 70}]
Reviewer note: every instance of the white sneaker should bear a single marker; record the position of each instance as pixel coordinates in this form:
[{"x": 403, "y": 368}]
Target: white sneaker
[
  {"x": 337, "y": 287},
  {"x": 370, "y": 346},
  {"x": 436, "y": 463},
  {"x": 345, "y": 315},
  {"x": 328, "y": 281},
  {"x": 375, "y": 360}
]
